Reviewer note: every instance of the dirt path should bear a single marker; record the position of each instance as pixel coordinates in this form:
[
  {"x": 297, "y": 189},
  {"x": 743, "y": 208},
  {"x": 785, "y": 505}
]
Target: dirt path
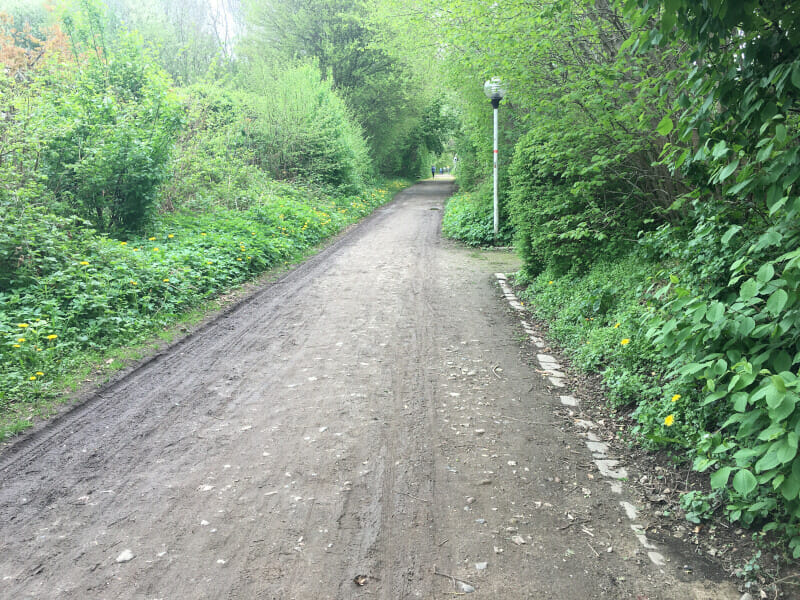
[{"x": 375, "y": 412}]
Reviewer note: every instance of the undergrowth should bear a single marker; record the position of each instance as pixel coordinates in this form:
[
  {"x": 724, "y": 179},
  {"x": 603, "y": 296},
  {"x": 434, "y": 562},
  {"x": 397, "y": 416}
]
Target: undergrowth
[{"x": 468, "y": 217}]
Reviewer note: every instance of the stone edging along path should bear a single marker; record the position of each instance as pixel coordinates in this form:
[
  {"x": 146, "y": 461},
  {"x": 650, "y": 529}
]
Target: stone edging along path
[{"x": 610, "y": 469}]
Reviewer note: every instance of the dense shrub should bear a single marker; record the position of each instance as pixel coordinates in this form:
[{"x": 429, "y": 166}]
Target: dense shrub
[
  {"x": 106, "y": 126},
  {"x": 297, "y": 127},
  {"x": 237, "y": 143},
  {"x": 469, "y": 218},
  {"x": 730, "y": 325},
  {"x": 568, "y": 213}
]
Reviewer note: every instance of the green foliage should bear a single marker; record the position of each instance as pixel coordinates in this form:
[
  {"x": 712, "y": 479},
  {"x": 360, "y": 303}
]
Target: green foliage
[
  {"x": 26, "y": 14},
  {"x": 297, "y": 127},
  {"x": 591, "y": 313},
  {"x": 469, "y": 218},
  {"x": 596, "y": 316},
  {"x": 192, "y": 38},
  {"x": 106, "y": 129},
  {"x": 238, "y": 143},
  {"x": 698, "y": 506},
  {"x": 345, "y": 43},
  {"x": 561, "y": 222},
  {"x": 729, "y": 326}
]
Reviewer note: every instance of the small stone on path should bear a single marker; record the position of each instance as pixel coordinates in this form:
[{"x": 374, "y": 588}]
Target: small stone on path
[{"x": 125, "y": 556}]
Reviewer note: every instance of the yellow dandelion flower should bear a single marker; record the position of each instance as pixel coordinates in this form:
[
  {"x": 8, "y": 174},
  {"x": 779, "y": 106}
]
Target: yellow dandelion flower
[
  {"x": 39, "y": 373},
  {"x": 38, "y": 349},
  {"x": 23, "y": 325},
  {"x": 133, "y": 283},
  {"x": 152, "y": 239},
  {"x": 617, "y": 325},
  {"x": 17, "y": 346},
  {"x": 123, "y": 243},
  {"x": 549, "y": 283},
  {"x": 676, "y": 397},
  {"x": 669, "y": 420},
  {"x": 166, "y": 280},
  {"x": 238, "y": 259},
  {"x": 170, "y": 236},
  {"x": 203, "y": 233},
  {"x": 135, "y": 249},
  {"x": 20, "y": 340},
  {"x": 155, "y": 249},
  {"x": 84, "y": 262},
  {"x": 209, "y": 262},
  {"x": 32, "y": 378},
  {"x": 52, "y": 336},
  {"x": 625, "y": 342},
  {"x": 252, "y": 232}
]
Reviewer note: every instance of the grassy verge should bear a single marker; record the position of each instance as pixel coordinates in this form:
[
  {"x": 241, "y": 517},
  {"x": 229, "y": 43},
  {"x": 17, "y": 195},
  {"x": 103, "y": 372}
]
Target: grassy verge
[
  {"x": 101, "y": 303},
  {"x": 599, "y": 318}
]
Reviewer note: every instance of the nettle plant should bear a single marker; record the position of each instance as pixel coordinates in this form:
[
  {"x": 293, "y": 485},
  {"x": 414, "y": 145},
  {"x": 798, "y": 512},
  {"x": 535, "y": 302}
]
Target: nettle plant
[{"x": 735, "y": 338}]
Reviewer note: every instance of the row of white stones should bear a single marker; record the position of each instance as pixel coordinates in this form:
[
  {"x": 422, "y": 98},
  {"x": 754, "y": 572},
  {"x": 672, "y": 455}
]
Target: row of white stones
[{"x": 609, "y": 468}]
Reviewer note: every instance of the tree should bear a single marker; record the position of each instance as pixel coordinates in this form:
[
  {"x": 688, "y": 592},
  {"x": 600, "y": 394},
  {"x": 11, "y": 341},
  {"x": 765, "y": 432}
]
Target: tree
[
  {"x": 105, "y": 127},
  {"x": 346, "y": 44}
]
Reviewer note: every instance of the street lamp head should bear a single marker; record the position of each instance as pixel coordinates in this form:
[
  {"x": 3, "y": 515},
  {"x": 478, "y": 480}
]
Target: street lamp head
[{"x": 494, "y": 90}]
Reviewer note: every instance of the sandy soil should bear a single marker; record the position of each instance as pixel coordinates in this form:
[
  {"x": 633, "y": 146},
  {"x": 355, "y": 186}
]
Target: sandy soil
[{"x": 373, "y": 417}]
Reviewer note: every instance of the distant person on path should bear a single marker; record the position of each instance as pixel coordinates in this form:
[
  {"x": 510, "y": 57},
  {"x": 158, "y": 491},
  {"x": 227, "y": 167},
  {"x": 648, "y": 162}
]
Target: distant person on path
[{"x": 433, "y": 171}]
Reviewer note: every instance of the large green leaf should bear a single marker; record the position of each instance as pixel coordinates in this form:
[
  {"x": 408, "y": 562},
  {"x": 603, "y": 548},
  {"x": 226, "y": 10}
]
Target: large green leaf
[
  {"x": 748, "y": 290},
  {"x": 744, "y": 482},
  {"x": 665, "y": 126},
  {"x": 777, "y": 301},
  {"x": 715, "y": 312},
  {"x": 765, "y": 273},
  {"x": 727, "y": 170},
  {"x": 719, "y": 479},
  {"x": 790, "y": 488}
]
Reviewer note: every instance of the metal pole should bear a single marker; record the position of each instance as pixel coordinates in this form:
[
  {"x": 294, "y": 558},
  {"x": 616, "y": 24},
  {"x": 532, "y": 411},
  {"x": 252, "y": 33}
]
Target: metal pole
[{"x": 496, "y": 207}]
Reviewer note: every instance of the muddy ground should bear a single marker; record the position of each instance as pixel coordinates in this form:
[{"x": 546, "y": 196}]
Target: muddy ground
[{"x": 371, "y": 425}]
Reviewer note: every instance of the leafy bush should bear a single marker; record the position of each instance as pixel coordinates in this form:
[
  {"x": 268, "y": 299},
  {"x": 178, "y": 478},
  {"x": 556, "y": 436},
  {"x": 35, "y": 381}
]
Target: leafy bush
[
  {"x": 730, "y": 326},
  {"x": 469, "y": 218},
  {"x": 237, "y": 143},
  {"x": 106, "y": 126},
  {"x": 597, "y": 317},
  {"x": 566, "y": 212},
  {"x": 297, "y": 127}
]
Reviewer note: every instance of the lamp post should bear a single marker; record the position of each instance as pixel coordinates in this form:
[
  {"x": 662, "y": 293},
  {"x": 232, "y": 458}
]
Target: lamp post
[{"x": 495, "y": 90}]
